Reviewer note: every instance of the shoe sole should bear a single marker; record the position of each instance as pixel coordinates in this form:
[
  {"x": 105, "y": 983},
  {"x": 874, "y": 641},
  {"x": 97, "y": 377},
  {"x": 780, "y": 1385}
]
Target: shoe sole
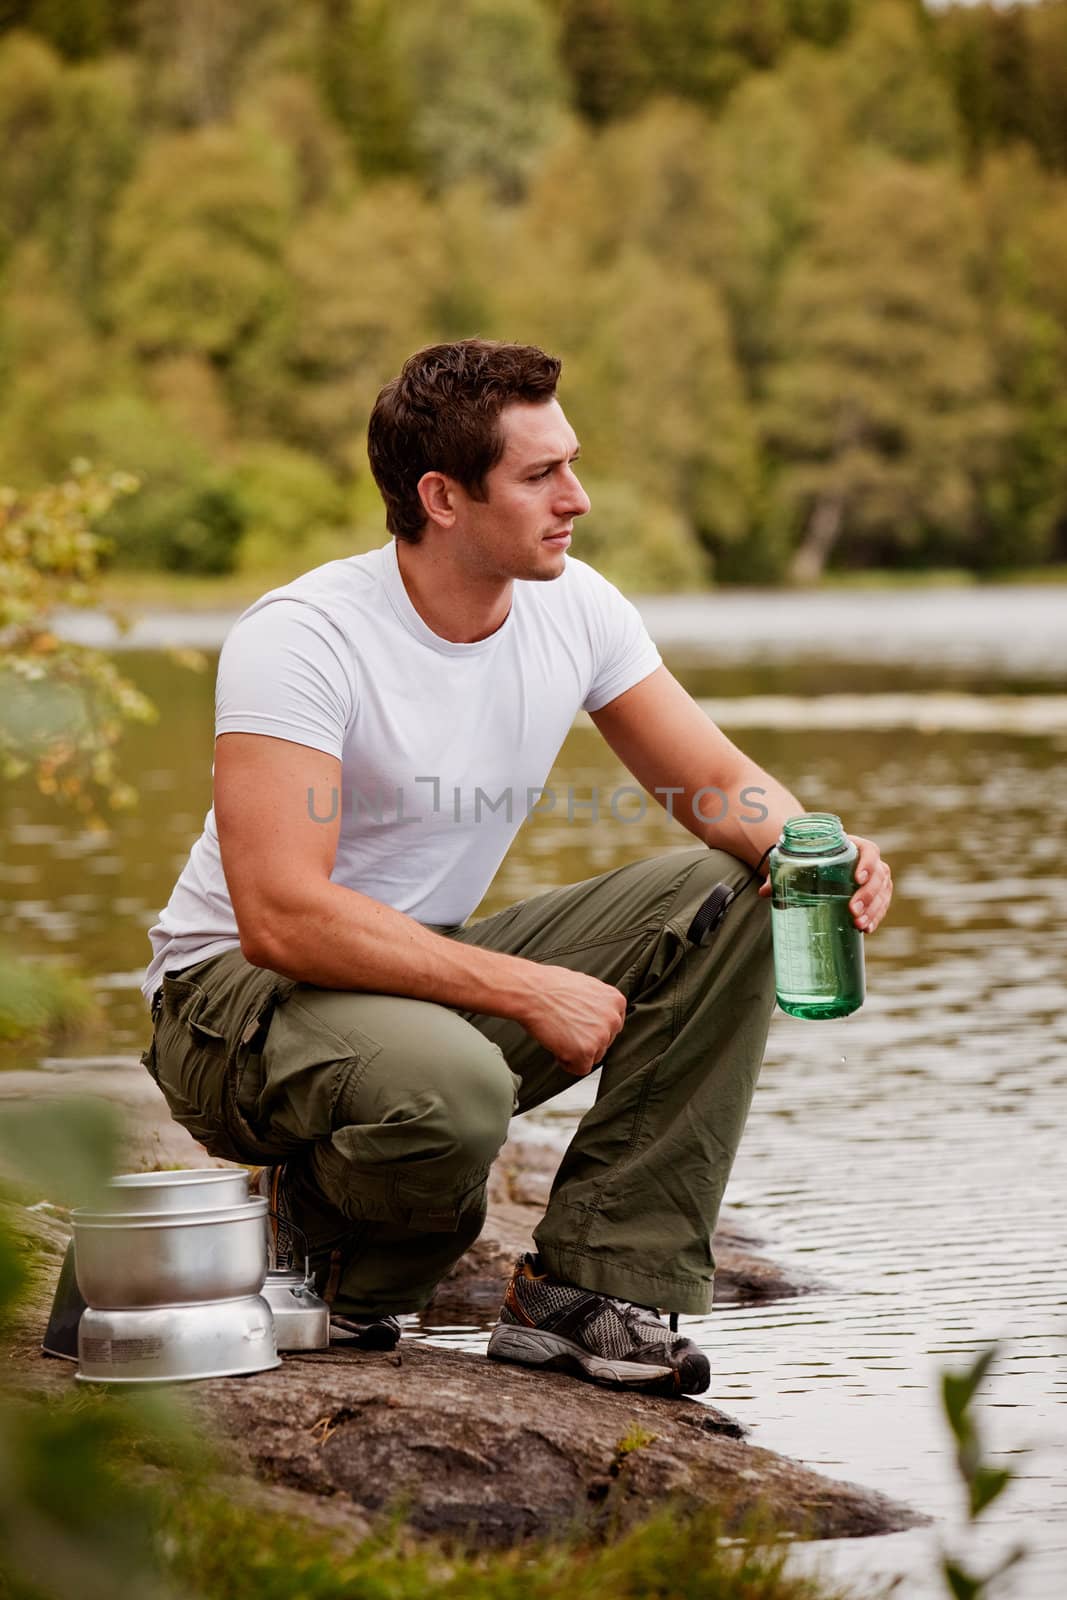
[{"x": 533, "y": 1347}]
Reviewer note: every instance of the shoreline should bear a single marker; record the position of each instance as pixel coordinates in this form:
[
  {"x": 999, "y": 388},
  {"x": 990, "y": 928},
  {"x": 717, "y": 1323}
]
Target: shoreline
[
  {"x": 1011, "y": 629},
  {"x": 154, "y": 589}
]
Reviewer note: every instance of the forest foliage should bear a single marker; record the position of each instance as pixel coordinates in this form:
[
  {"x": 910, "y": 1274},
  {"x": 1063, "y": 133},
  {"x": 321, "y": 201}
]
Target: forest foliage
[{"x": 802, "y": 259}]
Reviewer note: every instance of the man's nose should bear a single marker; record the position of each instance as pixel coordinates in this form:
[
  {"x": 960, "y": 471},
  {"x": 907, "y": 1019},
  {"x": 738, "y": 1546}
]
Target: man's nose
[{"x": 573, "y": 498}]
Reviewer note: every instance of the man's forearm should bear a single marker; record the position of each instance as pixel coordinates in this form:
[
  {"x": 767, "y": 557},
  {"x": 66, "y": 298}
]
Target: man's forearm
[
  {"x": 744, "y": 815},
  {"x": 339, "y": 939}
]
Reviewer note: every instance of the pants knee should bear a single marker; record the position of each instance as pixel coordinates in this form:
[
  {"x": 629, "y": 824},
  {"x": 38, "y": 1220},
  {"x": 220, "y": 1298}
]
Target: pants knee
[
  {"x": 432, "y": 1123},
  {"x": 475, "y": 1099}
]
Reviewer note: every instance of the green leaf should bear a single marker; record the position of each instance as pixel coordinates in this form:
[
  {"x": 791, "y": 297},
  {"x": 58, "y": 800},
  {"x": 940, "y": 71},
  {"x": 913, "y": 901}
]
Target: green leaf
[
  {"x": 962, "y": 1584},
  {"x": 958, "y": 1390},
  {"x": 953, "y": 1395},
  {"x": 986, "y": 1484},
  {"x": 65, "y": 1151}
]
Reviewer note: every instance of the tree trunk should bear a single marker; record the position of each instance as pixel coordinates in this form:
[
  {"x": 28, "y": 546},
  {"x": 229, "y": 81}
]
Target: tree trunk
[{"x": 820, "y": 536}]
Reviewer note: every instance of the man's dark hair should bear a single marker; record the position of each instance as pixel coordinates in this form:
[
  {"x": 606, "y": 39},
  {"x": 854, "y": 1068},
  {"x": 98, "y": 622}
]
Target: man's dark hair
[{"x": 442, "y": 414}]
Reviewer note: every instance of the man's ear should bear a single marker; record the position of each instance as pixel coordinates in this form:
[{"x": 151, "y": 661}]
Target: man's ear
[{"x": 438, "y": 496}]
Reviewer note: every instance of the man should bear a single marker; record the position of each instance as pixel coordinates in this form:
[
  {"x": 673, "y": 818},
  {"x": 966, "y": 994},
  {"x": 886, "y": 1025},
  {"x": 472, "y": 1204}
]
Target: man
[{"x": 321, "y": 1003}]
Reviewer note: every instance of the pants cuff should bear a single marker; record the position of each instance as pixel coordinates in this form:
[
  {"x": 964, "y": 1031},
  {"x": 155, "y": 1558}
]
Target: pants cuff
[{"x": 691, "y": 1296}]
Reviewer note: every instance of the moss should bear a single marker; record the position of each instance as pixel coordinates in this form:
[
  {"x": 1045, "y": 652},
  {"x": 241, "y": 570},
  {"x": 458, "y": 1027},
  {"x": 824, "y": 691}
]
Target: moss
[
  {"x": 40, "y": 1004},
  {"x": 635, "y": 1438},
  {"x": 217, "y": 1548}
]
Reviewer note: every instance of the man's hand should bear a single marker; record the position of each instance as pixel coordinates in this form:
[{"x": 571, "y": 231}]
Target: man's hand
[
  {"x": 574, "y": 1016},
  {"x": 875, "y": 882},
  {"x": 875, "y": 885}
]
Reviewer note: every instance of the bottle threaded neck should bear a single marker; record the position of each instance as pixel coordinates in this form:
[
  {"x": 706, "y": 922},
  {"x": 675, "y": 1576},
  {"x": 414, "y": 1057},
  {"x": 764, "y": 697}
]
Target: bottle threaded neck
[{"x": 816, "y": 833}]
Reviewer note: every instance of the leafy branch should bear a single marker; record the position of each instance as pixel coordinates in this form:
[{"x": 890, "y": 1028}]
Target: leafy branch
[
  {"x": 62, "y": 705},
  {"x": 982, "y": 1482}
]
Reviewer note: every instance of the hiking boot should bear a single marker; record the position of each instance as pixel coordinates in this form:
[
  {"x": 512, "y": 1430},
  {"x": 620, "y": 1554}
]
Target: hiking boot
[
  {"x": 380, "y": 1332},
  {"x": 267, "y": 1181},
  {"x": 561, "y": 1328}
]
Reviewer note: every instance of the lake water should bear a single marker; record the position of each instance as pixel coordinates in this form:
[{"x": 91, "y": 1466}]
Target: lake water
[{"x": 911, "y": 1157}]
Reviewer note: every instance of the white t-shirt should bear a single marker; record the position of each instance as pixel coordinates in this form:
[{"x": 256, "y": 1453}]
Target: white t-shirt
[{"x": 444, "y": 748}]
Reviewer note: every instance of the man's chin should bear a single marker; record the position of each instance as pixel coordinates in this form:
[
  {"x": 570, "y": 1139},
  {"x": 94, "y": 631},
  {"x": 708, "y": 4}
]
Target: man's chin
[{"x": 552, "y": 565}]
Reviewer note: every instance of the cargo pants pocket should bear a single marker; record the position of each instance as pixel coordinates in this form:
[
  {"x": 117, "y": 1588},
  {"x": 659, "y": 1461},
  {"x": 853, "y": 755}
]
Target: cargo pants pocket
[
  {"x": 205, "y": 1040},
  {"x": 188, "y": 1058}
]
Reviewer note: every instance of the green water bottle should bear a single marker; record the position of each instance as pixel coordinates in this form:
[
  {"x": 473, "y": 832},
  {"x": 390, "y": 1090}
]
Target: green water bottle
[{"x": 818, "y": 950}]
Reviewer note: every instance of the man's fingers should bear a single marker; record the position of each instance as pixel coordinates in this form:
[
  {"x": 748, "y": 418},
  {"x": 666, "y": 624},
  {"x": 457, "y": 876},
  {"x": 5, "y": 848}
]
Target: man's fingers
[
  {"x": 875, "y": 887},
  {"x": 870, "y": 905},
  {"x": 572, "y": 1070},
  {"x": 868, "y": 860}
]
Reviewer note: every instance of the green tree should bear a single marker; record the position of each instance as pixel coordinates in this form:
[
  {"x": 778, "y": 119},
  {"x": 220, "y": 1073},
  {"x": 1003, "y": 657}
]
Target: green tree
[
  {"x": 196, "y": 242},
  {"x": 823, "y": 22},
  {"x": 358, "y": 67},
  {"x": 882, "y": 417},
  {"x": 78, "y": 29},
  {"x": 657, "y": 397},
  {"x": 69, "y": 144},
  {"x": 30, "y": 77},
  {"x": 285, "y": 105},
  {"x": 49, "y": 359},
  {"x": 621, "y": 53},
  {"x": 998, "y": 61},
  {"x": 195, "y": 55},
  {"x": 290, "y": 506},
  {"x": 486, "y": 89},
  {"x": 94, "y": 153},
  {"x": 64, "y": 393},
  {"x": 600, "y": 52},
  {"x": 662, "y": 161},
  {"x": 1047, "y": 30},
  {"x": 188, "y": 515},
  {"x": 1023, "y": 214},
  {"x": 771, "y": 160},
  {"x": 638, "y": 540},
  {"x": 362, "y": 287},
  {"x": 884, "y": 84}
]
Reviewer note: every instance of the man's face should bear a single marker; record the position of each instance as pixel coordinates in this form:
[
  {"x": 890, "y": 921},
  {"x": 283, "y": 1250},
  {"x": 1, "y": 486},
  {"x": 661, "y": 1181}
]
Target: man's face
[{"x": 523, "y": 526}]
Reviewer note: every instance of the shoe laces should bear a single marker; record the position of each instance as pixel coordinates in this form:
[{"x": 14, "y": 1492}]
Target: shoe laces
[{"x": 632, "y": 1314}]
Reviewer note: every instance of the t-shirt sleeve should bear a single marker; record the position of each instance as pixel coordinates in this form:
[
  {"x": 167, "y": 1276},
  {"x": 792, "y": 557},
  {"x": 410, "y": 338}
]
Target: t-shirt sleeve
[
  {"x": 284, "y": 671},
  {"x": 624, "y": 651}
]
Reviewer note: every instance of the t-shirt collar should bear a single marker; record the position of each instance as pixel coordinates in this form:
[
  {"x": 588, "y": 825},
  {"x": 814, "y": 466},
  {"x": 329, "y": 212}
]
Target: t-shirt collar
[{"x": 401, "y": 603}]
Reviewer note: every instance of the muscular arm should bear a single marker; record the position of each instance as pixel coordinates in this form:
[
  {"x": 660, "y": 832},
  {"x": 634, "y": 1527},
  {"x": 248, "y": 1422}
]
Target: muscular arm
[
  {"x": 659, "y": 732},
  {"x": 291, "y": 918},
  {"x": 661, "y": 735}
]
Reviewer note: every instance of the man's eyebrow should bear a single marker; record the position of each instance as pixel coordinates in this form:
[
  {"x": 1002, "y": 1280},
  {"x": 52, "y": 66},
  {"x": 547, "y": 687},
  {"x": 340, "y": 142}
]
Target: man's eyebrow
[{"x": 552, "y": 461}]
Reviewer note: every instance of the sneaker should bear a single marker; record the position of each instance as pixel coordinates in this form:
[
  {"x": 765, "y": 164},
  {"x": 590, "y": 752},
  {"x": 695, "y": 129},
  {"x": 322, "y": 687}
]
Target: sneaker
[
  {"x": 366, "y": 1333},
  {"x": 267, "y": 1182},
  {"x": 561, "y": 1328}
]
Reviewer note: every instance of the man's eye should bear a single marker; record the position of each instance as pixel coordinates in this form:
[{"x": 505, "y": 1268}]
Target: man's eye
[{"x": 538, "y": 475}]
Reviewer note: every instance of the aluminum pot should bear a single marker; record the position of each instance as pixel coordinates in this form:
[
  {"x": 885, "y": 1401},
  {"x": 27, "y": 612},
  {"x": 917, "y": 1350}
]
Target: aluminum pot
[
  {"x": 174, "y": 1344},
  {"x": 301, "y": 1318},
  {"x": 195, "y": 1189},
  {"x": 124, "y": 1261}
]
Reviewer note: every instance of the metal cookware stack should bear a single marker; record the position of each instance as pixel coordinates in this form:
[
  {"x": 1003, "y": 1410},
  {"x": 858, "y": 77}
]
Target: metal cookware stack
[{"x": 172, "y": 1269}]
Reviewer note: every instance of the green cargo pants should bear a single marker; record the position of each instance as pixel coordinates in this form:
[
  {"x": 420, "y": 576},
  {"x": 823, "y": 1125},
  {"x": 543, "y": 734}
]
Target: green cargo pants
[{"x": 388, "y": 1112}]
